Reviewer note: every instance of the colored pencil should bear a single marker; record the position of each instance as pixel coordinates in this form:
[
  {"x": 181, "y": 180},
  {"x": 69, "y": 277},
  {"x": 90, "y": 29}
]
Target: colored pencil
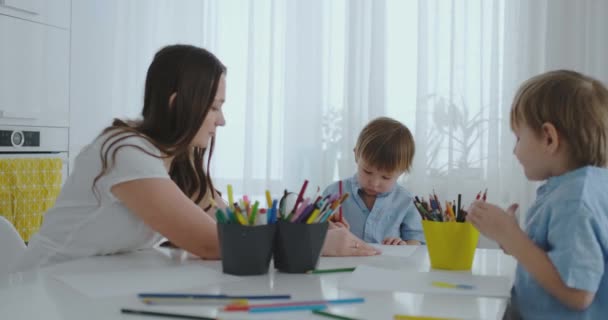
[
  {"x": 341, "y": 215},
  {"x": 164, "y": 314},
  {"x": 332, "y": 315},
  {"x": 292, "y": 304},
  {"x": 187, "y": 301},
  {"x": 448, "y": 285},
  {"x": 316, "y": 271},
  {"x": 214, "y": 296},
  {"x": 288, "y": 308}
]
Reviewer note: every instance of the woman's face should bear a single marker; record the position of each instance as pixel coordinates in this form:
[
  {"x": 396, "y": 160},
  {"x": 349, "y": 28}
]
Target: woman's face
[{"x": 214, "y": 119}]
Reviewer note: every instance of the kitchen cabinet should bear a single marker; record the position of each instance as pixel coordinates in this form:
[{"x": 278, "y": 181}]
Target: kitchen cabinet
[
  {"x": 49, "y": 12},
  {"x": 34, "y": 73}
]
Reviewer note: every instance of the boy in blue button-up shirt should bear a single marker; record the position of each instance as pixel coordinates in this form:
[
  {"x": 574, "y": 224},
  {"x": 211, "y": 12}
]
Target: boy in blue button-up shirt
[
  {"x": 378, "y": 210},
  {"x": 560, "y": 120}
]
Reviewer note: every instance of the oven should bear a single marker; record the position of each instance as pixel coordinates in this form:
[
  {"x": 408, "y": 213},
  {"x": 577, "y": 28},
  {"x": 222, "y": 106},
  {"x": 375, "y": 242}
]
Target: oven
[
  {"x": 33, "y": 167},
  {"x": 35, "y": 142}
]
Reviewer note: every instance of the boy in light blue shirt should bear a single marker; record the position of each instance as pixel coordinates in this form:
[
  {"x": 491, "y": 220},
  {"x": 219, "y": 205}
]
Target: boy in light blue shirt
[
  {"x": 560, "y": 119},
  {"x": 378, "y": 210}
]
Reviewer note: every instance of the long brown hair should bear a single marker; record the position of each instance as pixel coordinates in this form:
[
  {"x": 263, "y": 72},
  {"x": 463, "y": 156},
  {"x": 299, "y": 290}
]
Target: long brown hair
[{"x": 193, "y": 74}]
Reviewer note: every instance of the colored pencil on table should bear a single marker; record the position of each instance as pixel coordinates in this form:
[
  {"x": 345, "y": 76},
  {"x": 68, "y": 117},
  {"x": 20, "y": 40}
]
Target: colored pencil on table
[
  {"x": 164, "y": 314},
  {"x": 448, "y": 285},
  {"x": 316, "y": 271},
  {"x": 186, "y": 301},
  {"x": 331, "y": 315},
  {"x": 237, "y": 307},
  {"x": 288, "y": 308},
  {"x": 214, "y": 296}
]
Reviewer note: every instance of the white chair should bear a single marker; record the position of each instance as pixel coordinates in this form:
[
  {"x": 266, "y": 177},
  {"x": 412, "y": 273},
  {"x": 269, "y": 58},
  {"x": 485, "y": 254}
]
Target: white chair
[{"x": 11, "y": 245}]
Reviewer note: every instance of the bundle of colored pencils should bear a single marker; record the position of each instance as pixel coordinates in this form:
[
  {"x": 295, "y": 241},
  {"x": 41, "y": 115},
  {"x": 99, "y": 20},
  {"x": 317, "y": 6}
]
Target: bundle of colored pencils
[
  {"x": 433, "y": 211},
  {"x": 245, "y": 213},
  {"x": 307, "y": 211}
]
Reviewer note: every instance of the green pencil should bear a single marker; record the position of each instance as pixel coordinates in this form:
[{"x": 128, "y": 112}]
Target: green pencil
[
  {"x": 331, "y": 315},
  {"x": 331, "y": 270}
]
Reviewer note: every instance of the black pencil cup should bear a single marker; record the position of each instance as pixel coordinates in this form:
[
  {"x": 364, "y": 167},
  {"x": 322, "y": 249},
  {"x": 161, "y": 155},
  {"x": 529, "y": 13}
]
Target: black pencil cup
[
  {"x": 246, "y": 250},
  {"x": 298, "y": 246}
]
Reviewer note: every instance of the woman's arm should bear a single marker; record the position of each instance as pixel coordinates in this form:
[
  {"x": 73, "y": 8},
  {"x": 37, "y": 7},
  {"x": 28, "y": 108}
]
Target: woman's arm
[
  {"x": 163, "y": 207},
  {"x": 211, "y": 206}
]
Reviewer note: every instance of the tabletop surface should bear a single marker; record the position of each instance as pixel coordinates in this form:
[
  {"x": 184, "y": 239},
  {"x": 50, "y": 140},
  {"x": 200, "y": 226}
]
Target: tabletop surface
[{"x": 45, "y": 293}]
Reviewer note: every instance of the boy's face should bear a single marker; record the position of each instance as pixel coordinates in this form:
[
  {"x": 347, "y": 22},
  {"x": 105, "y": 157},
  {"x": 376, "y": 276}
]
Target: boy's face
[
  {"x": 529, "y": 150},
  {"x": 374, "y": 181}
]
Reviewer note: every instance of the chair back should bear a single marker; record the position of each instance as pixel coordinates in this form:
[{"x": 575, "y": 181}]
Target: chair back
[{"x": 11, "y": 245}]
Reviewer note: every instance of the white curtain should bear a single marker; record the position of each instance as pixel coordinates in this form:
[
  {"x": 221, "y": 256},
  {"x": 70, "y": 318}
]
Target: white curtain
[{"x": 305, "y": 76}]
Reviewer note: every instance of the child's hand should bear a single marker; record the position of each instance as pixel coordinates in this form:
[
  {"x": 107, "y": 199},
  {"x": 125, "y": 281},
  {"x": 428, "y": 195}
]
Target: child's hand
[
  {"x": 342, "y": 243},
  {"x": 493, "y": 222},
  {"x": 336, "y": 223},
  {"x": 393, "y": 241}
]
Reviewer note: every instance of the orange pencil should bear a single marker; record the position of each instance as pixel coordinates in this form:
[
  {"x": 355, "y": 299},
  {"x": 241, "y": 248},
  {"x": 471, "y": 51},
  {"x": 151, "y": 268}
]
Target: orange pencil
[{"x": 340, "y": 216}]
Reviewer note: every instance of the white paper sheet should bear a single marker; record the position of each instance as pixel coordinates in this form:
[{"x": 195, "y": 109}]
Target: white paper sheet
[
  {"x": 395, "y": 251},
  {"x": 379, "y": 279},
  {"x": 118, "y": 283}
]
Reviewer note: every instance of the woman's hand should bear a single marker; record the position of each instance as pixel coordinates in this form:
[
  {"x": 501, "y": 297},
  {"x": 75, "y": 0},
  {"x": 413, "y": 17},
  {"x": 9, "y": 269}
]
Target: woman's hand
[
  {"x": 394, "y": 241},
  {"x": 494, "y": 222},
  {"x": 340, "y": 242}
]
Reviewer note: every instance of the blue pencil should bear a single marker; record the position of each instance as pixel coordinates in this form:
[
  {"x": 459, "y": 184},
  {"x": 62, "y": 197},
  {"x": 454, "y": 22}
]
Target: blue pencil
[
  {"x": 288, "y": 308},
  {"x": 212, "y": 296},
  {"x": 291, "y": 305}
]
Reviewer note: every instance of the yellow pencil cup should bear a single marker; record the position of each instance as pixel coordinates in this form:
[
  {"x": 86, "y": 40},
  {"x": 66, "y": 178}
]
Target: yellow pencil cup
[{"x": 451, "y": 245}]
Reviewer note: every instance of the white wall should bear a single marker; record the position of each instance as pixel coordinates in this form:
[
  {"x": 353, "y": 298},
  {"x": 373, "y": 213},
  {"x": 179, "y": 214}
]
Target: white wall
[
  {"x": 91, "y": 53},
  {"x": 112, "y": 44}
]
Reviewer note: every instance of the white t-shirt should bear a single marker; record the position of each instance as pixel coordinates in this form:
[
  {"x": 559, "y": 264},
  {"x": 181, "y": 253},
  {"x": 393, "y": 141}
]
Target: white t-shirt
[{"x": 80, "y": 225}]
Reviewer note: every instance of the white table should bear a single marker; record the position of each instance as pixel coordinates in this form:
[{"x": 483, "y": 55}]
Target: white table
[{"x": 39, "y": 295}]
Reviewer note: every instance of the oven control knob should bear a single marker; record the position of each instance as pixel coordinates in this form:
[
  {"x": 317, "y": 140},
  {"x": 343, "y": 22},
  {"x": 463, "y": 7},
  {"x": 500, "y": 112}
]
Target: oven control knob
[{"x": 17, "y": 138}]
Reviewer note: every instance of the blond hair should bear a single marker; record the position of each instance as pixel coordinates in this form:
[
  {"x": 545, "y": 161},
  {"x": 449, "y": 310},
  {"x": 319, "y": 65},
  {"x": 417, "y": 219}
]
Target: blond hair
[
  {"x": 577, "y": 105},
  {"x": 386, "y": 144}
]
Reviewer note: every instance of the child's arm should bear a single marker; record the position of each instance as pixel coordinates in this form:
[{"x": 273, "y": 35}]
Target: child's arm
[
  {"x": 581, "y": 260},
  {"x": 394, "y": 241},
  {"x": 540, "y": 266},
  {"x": 411, "y": 226}
]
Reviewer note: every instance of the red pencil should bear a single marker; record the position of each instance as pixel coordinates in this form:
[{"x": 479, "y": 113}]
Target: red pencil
[
  {"x": 484, "y": 195},
  {"x": 301, "y": 195}
]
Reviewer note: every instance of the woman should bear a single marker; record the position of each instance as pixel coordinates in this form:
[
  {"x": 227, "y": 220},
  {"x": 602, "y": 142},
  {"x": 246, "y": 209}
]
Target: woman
[{"x": 139, "y": 181}]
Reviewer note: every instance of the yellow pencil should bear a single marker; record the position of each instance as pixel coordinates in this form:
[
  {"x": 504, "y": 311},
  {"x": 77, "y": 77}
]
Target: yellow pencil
[
  {"x": 313, "y": 216},
  {"x": 239, "y": 216},
  {"x": 230, "y": 197},
  {"x": 268, "y": 199}
]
